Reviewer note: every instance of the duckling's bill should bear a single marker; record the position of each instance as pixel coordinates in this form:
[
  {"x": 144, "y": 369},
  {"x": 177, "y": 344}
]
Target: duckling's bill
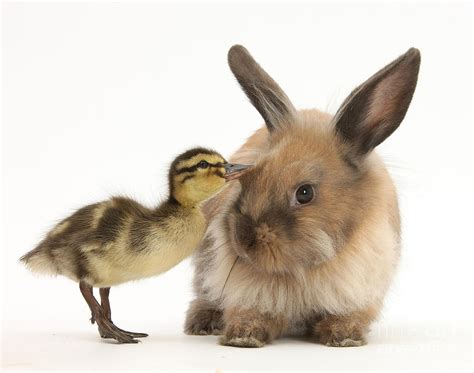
[{"x": 234, "y": 171}]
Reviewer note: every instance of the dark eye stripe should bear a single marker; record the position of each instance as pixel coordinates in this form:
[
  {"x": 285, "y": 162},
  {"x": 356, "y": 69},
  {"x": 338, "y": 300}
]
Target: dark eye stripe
[{"x": 187, "y": 178}]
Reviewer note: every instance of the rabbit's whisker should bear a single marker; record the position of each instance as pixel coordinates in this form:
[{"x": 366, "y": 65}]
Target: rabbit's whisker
[
  {"x": 221, "y": 245},
  {"x": 227, "y": 278},
  {"x": 225, "y": 283}
]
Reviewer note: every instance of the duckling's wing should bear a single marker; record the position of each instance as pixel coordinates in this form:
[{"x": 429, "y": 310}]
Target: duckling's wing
[{"x": 60, "y": 251}]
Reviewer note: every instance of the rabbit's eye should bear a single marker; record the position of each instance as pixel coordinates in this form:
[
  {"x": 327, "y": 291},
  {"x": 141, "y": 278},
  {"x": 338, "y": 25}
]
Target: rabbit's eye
[
  {"x": 304, "y": 194},
  {"x": 203, "y": 164}
]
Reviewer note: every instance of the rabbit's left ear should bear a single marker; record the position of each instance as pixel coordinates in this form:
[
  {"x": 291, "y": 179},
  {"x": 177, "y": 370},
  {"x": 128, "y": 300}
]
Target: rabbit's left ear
[
  {"x": 375, "y": 109},
  {"x": 264, "y": 93}
]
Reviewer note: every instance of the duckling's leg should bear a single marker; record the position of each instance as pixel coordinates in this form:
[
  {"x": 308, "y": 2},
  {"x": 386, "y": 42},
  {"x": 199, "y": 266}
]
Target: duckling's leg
[
  {"x": 106, "y": 328},
  {"x": 104, "y": 301}
]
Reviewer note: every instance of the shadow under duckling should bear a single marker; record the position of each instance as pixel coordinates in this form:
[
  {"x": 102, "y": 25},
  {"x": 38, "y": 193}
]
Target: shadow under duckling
[{"x": 119, "y": 240}]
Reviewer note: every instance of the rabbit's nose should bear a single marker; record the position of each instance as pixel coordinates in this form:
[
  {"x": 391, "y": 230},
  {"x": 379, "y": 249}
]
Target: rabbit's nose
[{"x": 264, "y": 235}]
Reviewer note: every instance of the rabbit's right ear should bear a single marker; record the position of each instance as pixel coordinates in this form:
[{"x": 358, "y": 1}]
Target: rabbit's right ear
[
  {"x": 376, "y": 108},
  {"x": 264, "y": 93}
]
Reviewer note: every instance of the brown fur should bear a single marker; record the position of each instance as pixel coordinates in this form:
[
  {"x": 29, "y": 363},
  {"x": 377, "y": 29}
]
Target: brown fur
[
  {"x": 346, "y": 330},
  {"x": 203, "y": 318},
  {"x": 250, "y": 328},
  {"x": 333, "y": 257},
  {"x": 264, "y": 93}
]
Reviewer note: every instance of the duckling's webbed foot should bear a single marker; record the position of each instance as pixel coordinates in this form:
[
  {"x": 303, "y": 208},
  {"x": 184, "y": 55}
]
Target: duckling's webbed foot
[
  {"x": 106, "y": 328},
  {"x": 133, "y": 334},
  {"x": 109, "y": 330},
  {"x": 105, "y": 303}
]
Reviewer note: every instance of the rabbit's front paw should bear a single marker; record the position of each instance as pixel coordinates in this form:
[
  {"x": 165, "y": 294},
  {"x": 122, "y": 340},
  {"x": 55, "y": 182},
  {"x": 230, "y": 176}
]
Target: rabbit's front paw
[
  {"x": 244, "y": 334},
  {"x": 337, "y": 341},
  {"x": 250, "y": 328},
  {"x": 203, "y": 318},
  {"x": 344, "y": 331}
]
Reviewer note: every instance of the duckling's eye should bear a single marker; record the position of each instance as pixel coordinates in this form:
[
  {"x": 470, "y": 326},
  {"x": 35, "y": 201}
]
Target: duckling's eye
[
  {"x": 304, "y": 194},
  {"x": 203, "y": 164}
]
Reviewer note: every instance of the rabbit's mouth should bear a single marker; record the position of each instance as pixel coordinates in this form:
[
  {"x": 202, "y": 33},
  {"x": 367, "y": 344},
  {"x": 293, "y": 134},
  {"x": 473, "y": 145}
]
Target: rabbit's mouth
[
  {"x": 259, "y": 244},
  {"x": 275, "y": 245}
]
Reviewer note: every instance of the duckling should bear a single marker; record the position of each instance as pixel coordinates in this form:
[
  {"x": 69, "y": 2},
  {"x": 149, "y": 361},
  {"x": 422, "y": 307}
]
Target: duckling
[{"x": 119, "y": 240}]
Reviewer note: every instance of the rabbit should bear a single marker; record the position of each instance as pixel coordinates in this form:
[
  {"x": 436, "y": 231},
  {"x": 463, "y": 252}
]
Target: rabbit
[{"x": 309, "y": 240}]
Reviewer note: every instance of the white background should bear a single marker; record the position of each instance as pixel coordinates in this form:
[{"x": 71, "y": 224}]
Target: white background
[{"x": 98, "y": 99}]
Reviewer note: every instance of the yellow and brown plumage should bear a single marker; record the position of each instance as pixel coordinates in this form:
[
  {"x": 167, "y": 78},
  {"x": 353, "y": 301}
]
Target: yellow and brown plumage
[{"x": 119, "y": 240}]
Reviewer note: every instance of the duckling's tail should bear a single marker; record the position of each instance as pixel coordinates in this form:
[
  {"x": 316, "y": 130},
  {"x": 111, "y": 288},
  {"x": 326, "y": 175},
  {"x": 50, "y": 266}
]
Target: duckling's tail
[{"x": 40, "y": 260}]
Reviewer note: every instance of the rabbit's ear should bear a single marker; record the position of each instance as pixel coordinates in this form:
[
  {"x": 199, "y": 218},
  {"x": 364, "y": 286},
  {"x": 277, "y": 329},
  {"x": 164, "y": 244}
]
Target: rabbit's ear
[
  {"x": 264, "y": 93},
  {"x": 375, "y": 109}
]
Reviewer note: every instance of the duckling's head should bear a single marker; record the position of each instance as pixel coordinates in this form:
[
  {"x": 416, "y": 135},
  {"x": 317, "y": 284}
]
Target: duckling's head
[{"x": 198, "y": 174}]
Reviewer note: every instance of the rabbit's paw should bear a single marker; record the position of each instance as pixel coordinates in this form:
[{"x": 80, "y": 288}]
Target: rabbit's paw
[
  {"x": 203, "y": 319},
  {"x": 241, "y": 342},
  {"x": 343, "y": 331},
  {"x": 244, "y": 335},
  {"x": 346, "y": 342}
]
